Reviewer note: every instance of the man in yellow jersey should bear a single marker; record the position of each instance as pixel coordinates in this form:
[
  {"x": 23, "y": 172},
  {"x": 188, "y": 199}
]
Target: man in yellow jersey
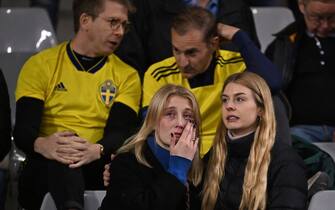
[
  {"x": 76, "y": 104},
  {"x": 200, "y": 66}
]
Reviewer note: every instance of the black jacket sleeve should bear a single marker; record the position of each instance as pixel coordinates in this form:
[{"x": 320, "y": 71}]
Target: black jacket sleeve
[
  {"x": 257, "y": 62},
  {"x": 5, "y": 119},
  {"x": 27, "y": 124},
  {"x": 121, "y": 124},
  {"x": 287, "y": 184},
  {"x": 137, "y": 187}
]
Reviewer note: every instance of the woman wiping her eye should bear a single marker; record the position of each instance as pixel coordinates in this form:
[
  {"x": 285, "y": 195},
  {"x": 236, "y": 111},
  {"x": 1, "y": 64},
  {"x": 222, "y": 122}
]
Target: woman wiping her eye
[{"x": 156, "y": 167}]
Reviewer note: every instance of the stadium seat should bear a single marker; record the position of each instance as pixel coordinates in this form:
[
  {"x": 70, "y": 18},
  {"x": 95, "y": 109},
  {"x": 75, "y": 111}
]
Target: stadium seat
[
  {"x": 24, "y": 31},
  {"x": 328, "y": 147},
  {"x": 270, "y": 20},
  {"x": 92, "y": 200},
  {"x": 323, "y": 200},
  {"x": 48, "y": 203}
]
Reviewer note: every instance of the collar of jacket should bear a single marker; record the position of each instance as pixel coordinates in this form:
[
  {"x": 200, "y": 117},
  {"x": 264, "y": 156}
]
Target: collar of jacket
[
  {"x": 293, "y": 31},
  {"x": 161, "y": 154},
  {"x": 152, "y": 159}
]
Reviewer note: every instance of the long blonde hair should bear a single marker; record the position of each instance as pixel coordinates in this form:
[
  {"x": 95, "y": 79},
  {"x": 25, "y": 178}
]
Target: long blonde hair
[
  {"x": 255, "y": 179},
  {"x": 159, "y": 101}
]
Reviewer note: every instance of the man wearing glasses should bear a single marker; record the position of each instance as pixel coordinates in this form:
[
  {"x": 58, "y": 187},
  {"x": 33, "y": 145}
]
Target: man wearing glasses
[
  {"x": 305, "y": 51},
  {"x": 76, "y": 104}
]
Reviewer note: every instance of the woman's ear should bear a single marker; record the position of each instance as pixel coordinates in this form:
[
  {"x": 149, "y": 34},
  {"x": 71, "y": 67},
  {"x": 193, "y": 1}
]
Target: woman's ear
[{"x": 259, "y": 112}]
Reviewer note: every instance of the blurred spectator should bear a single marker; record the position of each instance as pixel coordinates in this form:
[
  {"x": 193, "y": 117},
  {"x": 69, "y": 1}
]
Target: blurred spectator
[
  {"x": 51, "y": 6},
  {"x": 149, "y": 41},
  {"x": 305, "y": 51},
  {"x": 5, "y": 135}
]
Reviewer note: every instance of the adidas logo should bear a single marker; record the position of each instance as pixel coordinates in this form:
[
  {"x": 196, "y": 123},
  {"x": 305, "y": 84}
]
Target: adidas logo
[{"x": 60, "y": 87}]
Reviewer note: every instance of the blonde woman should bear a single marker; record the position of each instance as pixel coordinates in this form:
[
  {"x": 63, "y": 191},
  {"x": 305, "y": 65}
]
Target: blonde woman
[
  {"x": 246, "y": 167},
  {"x": 154, "y": 169}
]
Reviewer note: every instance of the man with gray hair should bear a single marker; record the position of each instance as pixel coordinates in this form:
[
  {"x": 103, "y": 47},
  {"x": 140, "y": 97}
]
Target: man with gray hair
[{"x": 304, "y": 51}]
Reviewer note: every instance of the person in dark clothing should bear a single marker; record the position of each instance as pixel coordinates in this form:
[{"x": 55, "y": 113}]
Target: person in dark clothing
[
  {"x": 5, "y": 119},
  {"x": 246, "y": 167},
  {"x": 293, "y": 5},
  {"x": 149, "y": 40},
  {"x": 51, "y": 6},
  {"x": 5, "y": 134},
  {"x": 271, "y": 3},
  {"x": 304, "y": 52},
  {"x": 76, "y": 104},
  {"x": 154, "y": 169}
]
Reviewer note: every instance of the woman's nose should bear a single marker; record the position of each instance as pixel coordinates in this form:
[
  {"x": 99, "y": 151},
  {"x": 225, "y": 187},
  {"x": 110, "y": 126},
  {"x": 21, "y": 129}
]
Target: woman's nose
[
  {"x": 181, "y": 121},
  {"x": 229, "y": 105}
]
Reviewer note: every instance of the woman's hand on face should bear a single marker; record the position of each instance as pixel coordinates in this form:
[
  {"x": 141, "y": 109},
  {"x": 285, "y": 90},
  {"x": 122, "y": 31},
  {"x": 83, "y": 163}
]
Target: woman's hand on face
[{"x": 186, "y": 146}]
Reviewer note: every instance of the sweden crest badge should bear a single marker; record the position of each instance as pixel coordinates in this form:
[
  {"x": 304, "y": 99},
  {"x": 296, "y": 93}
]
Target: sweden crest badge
[{"x": 107, "y": 92}]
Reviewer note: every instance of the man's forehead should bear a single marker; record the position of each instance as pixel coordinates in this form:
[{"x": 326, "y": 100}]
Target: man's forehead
[
  {"x": 189, "y": 33},
  {"x": 329, "y": 2},
  {"x": 190, "y": 39},
  {"x": 321, "y": 7},
  {"x": 187, "y": 47},
  {"x": 114, "y": 9},
  {"x": 113, "y": 5},
  {"x": 323, "y": 1}
]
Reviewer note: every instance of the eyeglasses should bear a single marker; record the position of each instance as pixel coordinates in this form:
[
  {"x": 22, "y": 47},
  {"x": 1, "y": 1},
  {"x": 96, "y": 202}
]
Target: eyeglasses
[
  {"x": 116, "y": 23},
  {"x": 317, "y": 18}
]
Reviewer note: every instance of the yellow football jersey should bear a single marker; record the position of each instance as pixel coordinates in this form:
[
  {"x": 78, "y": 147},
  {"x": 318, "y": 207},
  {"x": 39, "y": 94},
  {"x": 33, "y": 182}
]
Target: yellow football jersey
[
  {"x": 76, "y": 100},
  {"x": 208, "y": 96}
]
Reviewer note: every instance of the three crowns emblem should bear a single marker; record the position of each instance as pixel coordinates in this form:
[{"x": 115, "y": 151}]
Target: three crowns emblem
[{"x": 107, "y": 92}]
